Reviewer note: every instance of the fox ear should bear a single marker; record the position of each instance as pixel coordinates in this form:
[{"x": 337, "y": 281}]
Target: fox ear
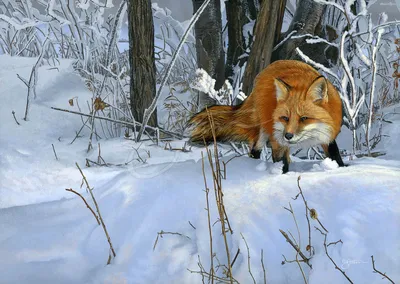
[
  {"x": 318, "y": 91},
  {"x": 282, "y": 89}
]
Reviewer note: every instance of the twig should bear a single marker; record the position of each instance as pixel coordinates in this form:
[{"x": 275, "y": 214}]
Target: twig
[
  {"x": 33, "y": 78},
  {"x": 88, "y": 161},
  {"x": 334, "y": 243},
  {"x": 312, "y": 211},
  {"x": 208, "y": 220},
  {"x": 377, "y": 271},
  {"x": 263, "y": 267},
  {"x": 248, "y": 258},
  {"x": 305, "y": 259},
  {"x": 54, "y": 150},
  {"x": 140, "y": 159},
  {"x": 87, "y": 205},
  {"x": 204, "y": 273},
  {"x": 297, "y": 245},
  {"x": 225, "y": 163},
  {"x": 192, "y": 225},
  {"x": 236, "y": 255},
  {"x": 308, "y": 220},
  {"x": 98, "y": 213},
  {"x": 121, "y": 122},
  {"x": 330, "y": 258},
  {"x": 161, "y": 233},
  {"x": 13, "y": 113},
  {"x": 219, "y": 279},
  {"x": 290, "y": 261},
  {"x": 223, "y": 218}
]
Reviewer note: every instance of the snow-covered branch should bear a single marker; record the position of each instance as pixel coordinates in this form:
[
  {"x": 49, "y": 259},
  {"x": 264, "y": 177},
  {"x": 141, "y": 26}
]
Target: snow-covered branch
[
  {"x": 316, "y": 65},
  {"x": 203, "y": 82},
  {"x": 373, "y": 86}
]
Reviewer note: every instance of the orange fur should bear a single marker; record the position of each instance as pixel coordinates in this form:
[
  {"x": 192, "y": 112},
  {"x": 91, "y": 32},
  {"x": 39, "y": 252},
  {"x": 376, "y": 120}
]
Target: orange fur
[{"x": 285, "y": 89}]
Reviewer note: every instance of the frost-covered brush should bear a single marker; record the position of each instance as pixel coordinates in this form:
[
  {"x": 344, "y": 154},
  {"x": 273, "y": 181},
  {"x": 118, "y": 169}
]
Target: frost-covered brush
[
  {"x": 18, "y": 28},
  {"x": 32, "y": 82},
  {"x": 203, "y": 82},
  {"x": 179, "y": 110},
  {"x": 78, "y": 31},
  {"x": 356, "y": 74},
  {"x": 168, "y": 32},
  {"x": 283, "y": 109}
]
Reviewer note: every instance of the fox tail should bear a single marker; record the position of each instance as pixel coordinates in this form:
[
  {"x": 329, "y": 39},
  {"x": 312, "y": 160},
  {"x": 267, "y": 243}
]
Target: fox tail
[{"x": 223, "y": 119}]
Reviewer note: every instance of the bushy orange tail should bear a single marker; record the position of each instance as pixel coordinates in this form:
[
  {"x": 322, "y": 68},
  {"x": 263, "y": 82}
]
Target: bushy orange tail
[{"x": 225, "y": 120}]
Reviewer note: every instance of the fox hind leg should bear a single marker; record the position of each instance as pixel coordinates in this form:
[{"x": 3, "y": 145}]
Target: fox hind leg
[
  {"x": 258, "y": 145},
  {"x": 332, "y": 151}
]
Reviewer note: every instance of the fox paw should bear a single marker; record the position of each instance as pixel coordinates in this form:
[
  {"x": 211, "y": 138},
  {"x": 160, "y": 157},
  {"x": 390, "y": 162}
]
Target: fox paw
[{"x": 255, "y": 154}]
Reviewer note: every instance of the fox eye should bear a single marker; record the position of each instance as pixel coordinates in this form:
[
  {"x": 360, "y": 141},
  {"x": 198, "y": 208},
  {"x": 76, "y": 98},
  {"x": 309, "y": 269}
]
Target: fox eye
[
  {"x": 303, "y": 118},
  {"x": 285, "y": 118}
]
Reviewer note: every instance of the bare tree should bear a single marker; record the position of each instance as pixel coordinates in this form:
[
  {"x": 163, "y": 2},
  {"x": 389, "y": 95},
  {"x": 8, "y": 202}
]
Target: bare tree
[
  {"x": 267, "y": 33},
  {"x": 209, "y": 47},
  {"x": 236, "y": 19},
  {"x": 141, "y": 57},
  {"x": 306, "y": 22}
]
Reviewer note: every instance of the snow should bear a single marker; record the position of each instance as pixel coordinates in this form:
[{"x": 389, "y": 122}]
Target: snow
[{"x": 47, "y": 235}]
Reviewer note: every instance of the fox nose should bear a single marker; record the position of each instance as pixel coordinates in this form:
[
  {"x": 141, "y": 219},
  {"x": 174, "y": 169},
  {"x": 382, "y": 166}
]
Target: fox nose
[{"x": 288, "y": 135}]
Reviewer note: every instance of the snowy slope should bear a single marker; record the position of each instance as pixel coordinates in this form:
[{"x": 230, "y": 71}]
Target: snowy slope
[{"x": 47, "y": 235}]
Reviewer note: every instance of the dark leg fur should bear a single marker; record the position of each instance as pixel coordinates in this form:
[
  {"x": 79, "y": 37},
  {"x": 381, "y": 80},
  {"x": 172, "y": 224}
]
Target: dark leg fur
[
  {"x": 285, "y": 161},
  {"x": 285, "y": 168},
  {"x": 255, "y": 154},
  {"x": 334, "y": 153}
]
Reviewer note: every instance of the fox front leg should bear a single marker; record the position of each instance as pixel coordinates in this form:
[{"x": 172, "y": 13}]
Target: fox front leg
[
  {"x": 255, "y": 154},
  {"x": 280, "y": 153},
  {"x": 332, "y": 151}
]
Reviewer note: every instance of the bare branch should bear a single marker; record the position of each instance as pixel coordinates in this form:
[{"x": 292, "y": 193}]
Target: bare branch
[
  {"x": 296, "y": 248},
  {"x": 87, "y": 205},
  {"x": 98, "y": 213},
  {"x": 377, "y": 271},
  {"x": 263, "y": 267},
  {"x": 330, "y": 258},
  {"x": 161, "y": 233},
  {"x": 13, "y": 113},
  {"x": 248, "y": 258},
  {"x": 54, "y": 150}
]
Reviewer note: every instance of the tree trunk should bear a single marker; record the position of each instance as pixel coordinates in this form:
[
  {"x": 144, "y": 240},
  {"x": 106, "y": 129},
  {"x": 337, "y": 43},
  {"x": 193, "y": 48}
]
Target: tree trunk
[
  {"x": 267, "y": 31},
  {"x": 253, "y": 6},
  {"x": 236, "y": 19},
  {"x": 141, "y": 57},
  {"x": 306, "y": 20},
  {"x": 209, "y": 48}
]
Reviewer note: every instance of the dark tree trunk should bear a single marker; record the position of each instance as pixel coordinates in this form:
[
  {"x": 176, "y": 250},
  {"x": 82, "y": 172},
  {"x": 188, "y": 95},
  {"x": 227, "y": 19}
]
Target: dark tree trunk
[
  {"x": 141, "y": 57},
  {"x": 253, "y": 7},
  {"x": 236, "y": 19},
  {"x": 209, "y": 48},
  {"x": 307, "y": 20},
  {"x": 267, "y": 32}
]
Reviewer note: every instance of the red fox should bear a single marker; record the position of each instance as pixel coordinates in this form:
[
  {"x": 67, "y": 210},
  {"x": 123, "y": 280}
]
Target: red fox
[{"x": 291, "y": 105}]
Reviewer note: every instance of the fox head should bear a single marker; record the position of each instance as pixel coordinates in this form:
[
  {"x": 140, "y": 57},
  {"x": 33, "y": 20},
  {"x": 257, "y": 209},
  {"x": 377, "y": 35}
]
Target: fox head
[{"x": 301, "y": 118}]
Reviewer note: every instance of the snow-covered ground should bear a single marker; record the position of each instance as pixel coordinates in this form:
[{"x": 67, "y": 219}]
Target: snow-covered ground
[{"x": 47, "y": 235}]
